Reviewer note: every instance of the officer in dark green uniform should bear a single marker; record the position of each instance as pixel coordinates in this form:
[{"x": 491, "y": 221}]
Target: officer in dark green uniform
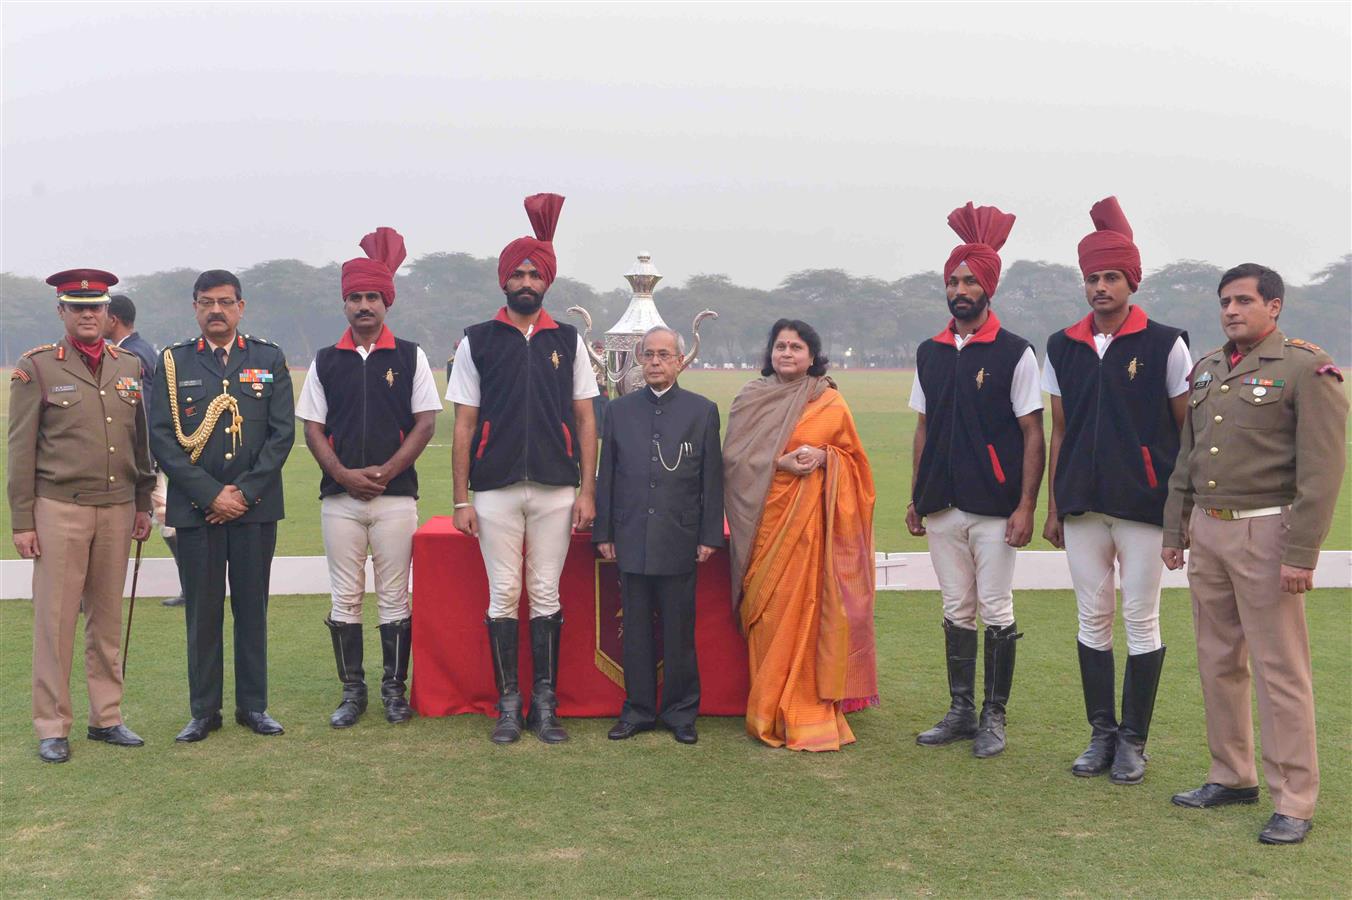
[{"x": 221, "y": 427}]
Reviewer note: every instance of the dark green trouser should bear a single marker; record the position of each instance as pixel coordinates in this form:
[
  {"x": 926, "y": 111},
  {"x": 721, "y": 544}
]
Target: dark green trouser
[{"x": 207, "y": 555}]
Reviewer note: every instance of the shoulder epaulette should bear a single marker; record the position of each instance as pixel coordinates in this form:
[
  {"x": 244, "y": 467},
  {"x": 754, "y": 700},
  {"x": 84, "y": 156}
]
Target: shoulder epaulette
[
  {"x": 41, "y": 348},
  {"x": 259, "y": 340},
  {"x": 112, "y": 351},
  {"x": 1304, "y": 345},
  {"x": 183, "y": 343}
]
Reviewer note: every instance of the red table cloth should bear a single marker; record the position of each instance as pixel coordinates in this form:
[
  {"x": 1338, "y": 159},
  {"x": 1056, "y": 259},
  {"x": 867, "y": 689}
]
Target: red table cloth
[{"x": 452, "y": 670}]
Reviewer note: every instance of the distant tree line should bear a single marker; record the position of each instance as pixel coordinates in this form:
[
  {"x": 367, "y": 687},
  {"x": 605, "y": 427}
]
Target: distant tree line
[{"x": 878, "y": 323}]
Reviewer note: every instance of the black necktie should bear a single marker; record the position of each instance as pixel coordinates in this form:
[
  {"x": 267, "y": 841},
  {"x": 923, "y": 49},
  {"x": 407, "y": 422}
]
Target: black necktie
[{"x": 220, "y": 357}]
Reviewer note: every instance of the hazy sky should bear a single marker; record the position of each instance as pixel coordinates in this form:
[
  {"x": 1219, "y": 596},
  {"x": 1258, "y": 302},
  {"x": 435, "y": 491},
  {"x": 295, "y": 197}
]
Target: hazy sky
[{"x": 747, "y": 140}]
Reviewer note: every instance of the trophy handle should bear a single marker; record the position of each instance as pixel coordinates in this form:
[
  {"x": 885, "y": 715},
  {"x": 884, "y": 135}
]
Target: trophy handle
[
  {"x": 694, "y": 330},
  {"x": 596, "y": 358}
]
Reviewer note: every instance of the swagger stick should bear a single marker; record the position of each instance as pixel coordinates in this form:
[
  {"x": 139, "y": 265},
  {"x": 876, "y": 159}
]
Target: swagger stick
[{"x": 135, "y": 576}]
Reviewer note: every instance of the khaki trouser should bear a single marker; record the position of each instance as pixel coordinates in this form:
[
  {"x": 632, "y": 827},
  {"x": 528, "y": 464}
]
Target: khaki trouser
[
  {"x": 84, "y": 557},
  {"x": 1243, "y": 619}
]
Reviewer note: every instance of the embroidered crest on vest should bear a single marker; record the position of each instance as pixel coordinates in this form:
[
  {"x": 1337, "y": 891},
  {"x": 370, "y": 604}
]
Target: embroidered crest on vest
[
  {"x": 389, "y": 377},
  {"x": 1133, "y": 368},
  {"x": 980, "y": 378},
  {"x": 554, "y": 358}
]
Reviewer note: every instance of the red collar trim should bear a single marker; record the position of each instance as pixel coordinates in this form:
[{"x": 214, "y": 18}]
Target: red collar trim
[
  {"x": 984, "y": 335},
  {"x": 544, "y": 323},
  {"x": 1083, "y": 330},
  {"x": 384, "y": 342}
]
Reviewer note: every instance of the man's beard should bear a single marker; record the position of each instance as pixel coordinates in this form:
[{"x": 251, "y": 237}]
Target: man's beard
[
  {"x": 524, "y": 302},
  {"x": 976, "y": 309}
]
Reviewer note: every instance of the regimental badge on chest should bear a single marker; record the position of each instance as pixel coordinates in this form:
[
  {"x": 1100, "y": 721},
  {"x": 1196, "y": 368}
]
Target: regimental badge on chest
[
  {"x": 389, "y": 377},
  {"x": 980, "y": 378},
  {"x": 1133, "y": 369},
  {"x": 554, "y": 358},
  {"x": 1202, "y": 381}
]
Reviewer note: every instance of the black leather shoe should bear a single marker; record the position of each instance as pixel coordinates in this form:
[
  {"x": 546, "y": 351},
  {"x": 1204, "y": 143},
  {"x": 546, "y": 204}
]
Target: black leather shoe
[
  {"x": 1282, "y": 829},
  {"x": 119, "y": 735},
  {"x": 623, "y": 730},
  {"x": 1212, "y": 794},
  {"x": 198, "y": 729},
  {"x": 685, "y": 734},
  {"x": 54, "y": 750},
  {"x": 258, "y": 722},
  {"x": 172, "y": 601}
]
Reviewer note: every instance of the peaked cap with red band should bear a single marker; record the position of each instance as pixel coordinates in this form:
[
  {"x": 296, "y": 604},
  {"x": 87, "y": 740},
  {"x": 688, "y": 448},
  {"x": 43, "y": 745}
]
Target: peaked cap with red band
[
  {"x": 1109, "y": 245},
  {"x": 87, "y": 284},
  {"x": 543, "y": 210},
  {"x": 384, "y": 255},
  {"x": 984, "y": 229}
]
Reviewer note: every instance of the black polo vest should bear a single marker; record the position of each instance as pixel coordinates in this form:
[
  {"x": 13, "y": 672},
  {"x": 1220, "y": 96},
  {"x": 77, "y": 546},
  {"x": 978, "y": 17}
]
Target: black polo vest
[
  {"x": 370, "y": 406},
  {"x": 526, "y": 429},
  {"x": 973, "y": 456},
  {"x": 1121, "y": 439}
]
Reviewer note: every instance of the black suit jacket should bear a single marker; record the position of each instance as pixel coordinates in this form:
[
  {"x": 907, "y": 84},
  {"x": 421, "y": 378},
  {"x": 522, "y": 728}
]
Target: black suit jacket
[
  {"x": 659, "y": 486},
  {"x": 257, "y": 376}
]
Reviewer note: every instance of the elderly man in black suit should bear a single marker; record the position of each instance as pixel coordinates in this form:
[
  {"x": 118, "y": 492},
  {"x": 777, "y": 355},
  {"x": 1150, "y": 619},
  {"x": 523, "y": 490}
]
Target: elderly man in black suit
[{"x": 659, "y": 512}]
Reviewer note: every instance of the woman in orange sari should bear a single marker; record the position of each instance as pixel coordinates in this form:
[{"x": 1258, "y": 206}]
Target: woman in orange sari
[{"x": 799, "y": 499}]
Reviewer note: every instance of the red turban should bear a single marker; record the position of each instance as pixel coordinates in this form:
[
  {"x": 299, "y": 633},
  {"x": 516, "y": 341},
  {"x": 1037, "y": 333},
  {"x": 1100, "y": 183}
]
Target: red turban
[
  {"x": 543, "y": 210},
  {"x": 1109, "y": 245},
  {"x": 384, "y": 255},
  {"x": 984, "y": 229}
]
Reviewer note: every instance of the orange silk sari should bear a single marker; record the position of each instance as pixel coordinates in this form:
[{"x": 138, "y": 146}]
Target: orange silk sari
[{"x": 807, "y": 596}]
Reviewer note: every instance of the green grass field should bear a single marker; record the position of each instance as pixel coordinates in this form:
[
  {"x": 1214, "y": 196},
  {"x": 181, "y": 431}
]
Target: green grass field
[
  {"x": 877, "y": 399},
  {"x": 433, "y": 809}
]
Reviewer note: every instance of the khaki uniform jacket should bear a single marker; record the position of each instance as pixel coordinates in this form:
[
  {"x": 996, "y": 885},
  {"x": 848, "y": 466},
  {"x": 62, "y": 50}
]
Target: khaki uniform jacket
[
  {"x": 75, "y": 436},
  {"x": 1270, "y": 432}
]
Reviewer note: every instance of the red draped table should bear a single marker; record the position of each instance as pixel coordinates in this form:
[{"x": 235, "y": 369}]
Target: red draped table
[{"x": 452, "y": 670}]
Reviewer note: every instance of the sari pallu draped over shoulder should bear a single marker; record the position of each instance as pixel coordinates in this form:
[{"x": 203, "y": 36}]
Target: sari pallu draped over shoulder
[{"x": 803, "y": 569}]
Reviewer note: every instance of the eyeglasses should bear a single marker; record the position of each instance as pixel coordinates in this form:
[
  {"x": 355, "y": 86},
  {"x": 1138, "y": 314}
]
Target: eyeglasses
[
  {"x": 227, "y": 303},
  {"x": 659, "y": 355}
]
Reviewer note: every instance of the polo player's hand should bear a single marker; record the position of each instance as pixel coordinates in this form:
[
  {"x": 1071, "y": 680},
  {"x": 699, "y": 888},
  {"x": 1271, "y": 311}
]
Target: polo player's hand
[
  {"x": 584, "y": 511},
  {"x": 466, "y": 521}
]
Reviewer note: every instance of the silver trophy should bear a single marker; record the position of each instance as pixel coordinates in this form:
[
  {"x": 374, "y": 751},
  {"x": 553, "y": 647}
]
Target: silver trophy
[{"x": 618, "y": 366}]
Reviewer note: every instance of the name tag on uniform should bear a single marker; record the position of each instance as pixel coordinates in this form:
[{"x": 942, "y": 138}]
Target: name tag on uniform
[
  {"x": 1202, "y": 380},
  {"x": 62, "y": 388},
  {"x": 191, "y": 382},
  {"x": 255, "y": 376}
]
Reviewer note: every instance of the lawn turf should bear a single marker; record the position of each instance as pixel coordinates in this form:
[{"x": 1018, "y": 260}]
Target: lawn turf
[
  {"x": 877, "y": 399},
  {"x": 432, "y": 808}
]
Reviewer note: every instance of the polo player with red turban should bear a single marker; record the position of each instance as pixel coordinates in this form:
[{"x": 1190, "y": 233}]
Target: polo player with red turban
[
  {"x": 370, "y": 406},
  {"x": 1119, "y": 386},
  {"x": 978, "y": 465},
  {"x": 525, "y": 440}
]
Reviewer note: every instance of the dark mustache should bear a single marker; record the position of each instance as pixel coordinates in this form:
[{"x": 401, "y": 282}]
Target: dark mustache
[
  {"x": 366, "y": 315},
  {"x": 215, "y": 317}
]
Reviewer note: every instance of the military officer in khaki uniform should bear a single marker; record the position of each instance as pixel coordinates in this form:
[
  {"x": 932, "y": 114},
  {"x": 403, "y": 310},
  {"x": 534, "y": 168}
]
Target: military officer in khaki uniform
[
  {"x": 1253, "y": 494},
  {"x": 79, "y": 491}
]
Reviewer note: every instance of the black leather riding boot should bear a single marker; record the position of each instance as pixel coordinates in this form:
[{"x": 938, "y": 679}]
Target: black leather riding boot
[
  {"x": 502, "y": 643},
  {"x": 999, "y": 676},
  {"x": 1100, "y": 705},
  {"x": 544, "y": 649},
  {"x": 347, "y": 652},
  {"x": 959, "y": 723},
  {"x": 396, "y": 639},
  {"x": 1139, "y": 685}
]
